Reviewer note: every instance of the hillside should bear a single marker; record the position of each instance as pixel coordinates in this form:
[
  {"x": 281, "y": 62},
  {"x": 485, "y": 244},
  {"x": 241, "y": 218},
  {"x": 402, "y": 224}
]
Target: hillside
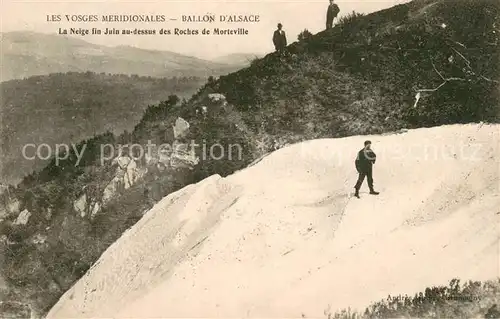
[
  {"x": 243, "y": 59},
  {"x": 286, "y": 239},
  {"x": 25, "y": 54},
  {"x": 70, "y": 107},
  {"x": 390, "y": 70}
]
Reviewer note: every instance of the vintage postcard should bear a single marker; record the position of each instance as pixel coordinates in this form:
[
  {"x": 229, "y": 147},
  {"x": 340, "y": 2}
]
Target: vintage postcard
[{"x": 250, "y": 159}]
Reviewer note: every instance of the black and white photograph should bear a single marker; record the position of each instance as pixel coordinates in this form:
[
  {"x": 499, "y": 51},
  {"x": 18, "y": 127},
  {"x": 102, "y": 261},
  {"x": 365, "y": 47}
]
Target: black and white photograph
[{"x": 333, "y": 159}]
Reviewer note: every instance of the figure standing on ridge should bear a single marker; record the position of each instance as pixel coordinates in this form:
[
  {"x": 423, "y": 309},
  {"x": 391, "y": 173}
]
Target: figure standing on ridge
[
  {"x": 331, "y": 13},
  {"x": 364, "y": 165},
  {"x": 279, "y": 39}
]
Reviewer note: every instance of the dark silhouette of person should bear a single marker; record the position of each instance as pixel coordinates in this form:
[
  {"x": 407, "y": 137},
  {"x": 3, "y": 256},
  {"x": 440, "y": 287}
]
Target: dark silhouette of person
[
  {"x": 279, "y": 39},
  {"x": 364, "y": 165},
  {"x": 331, "y": 13}
]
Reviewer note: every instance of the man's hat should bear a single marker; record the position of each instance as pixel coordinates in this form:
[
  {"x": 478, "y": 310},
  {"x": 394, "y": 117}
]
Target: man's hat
[
  {"x": 367, "y": 142},
  {"x": 279, "y": 25}
]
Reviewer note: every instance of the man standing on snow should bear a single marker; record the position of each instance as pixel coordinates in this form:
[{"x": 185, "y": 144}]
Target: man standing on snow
[
  {"x": 364, "y": 163},
  {"x": 331, "y": 13},
  {"x": 279, "y": 39}
]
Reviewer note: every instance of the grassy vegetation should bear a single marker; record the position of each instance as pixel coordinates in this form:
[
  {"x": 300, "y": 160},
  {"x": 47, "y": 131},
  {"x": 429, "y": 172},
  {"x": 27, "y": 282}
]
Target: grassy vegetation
[{"x": 69, "y": 107}]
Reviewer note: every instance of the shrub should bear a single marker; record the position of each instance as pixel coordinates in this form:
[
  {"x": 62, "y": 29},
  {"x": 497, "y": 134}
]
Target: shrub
[{"x": 305, "y": 35}]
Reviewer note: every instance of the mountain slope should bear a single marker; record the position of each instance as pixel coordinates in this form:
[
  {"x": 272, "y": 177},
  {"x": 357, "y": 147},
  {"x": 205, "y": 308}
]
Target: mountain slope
[
  {"x": 238, "y": 58},
  {"x": 285, "y": 238},
  {"x": 362, "y": 77},
  {"x": 26, "y": 54},
  {"x": 67, "y": 108}
]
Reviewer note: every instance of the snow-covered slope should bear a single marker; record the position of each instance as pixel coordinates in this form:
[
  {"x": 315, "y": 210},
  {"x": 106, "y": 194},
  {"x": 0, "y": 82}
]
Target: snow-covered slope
[{"x": 285, "y": 237}]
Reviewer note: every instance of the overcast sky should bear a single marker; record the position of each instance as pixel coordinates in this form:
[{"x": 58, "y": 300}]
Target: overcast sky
[{"x": 294, "y": 15}]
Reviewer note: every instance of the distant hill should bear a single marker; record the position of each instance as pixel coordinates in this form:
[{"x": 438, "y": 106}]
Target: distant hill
[
  {"x": 238, "y": 58},
  {"x": 29, "y": 53},
  {"x": 69, "y": 107}
]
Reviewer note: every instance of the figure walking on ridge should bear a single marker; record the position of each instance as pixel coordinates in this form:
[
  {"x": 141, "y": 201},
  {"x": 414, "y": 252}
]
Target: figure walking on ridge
[
  {"x": 331, "y": 13},
  {"x": 279, "y": 39},
  {"x": 364, "y": 165}
]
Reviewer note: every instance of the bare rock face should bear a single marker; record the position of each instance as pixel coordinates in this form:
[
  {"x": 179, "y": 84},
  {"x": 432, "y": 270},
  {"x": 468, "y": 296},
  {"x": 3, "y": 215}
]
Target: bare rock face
[
  {"x": 13, "y": 309},
  {"x": 133, "y": 173},
  {"x": 129, "y": 170},
  {"x": 80, "y": 205},
  {"x": 175, "y": 155},
  {"x": 127, "y": 174},
  {"x": 3, "y": 212},
  {"x": 39, "y": 239},
  {"x": 4, "y": 240},
  {"x": 183, "y": 156},
  {"x": 85, "y": 205},
  {"x": 23, "y": 218},
  {"x": 203, "y": 110},
  {"x": 11, "y": 208},
  {"x": 112, "y": 189}
]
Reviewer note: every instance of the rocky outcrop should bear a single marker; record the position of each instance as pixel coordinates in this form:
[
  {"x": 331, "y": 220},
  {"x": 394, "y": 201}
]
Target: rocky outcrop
[
  {"x": 14, "y": 207},
  {"x": 202, "y": 110},
  {"x": 183, "y": 156},
  {"x": 126, "y": 175},
  {"x": 80, "y": 205},
  {"x": 128, "y": 171},
  {"x": 175, "y": 155},
  {"x": 39, "y": 239},
  {"x": 86, "y": 205},
  {"x": 14, "y": 309}
]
